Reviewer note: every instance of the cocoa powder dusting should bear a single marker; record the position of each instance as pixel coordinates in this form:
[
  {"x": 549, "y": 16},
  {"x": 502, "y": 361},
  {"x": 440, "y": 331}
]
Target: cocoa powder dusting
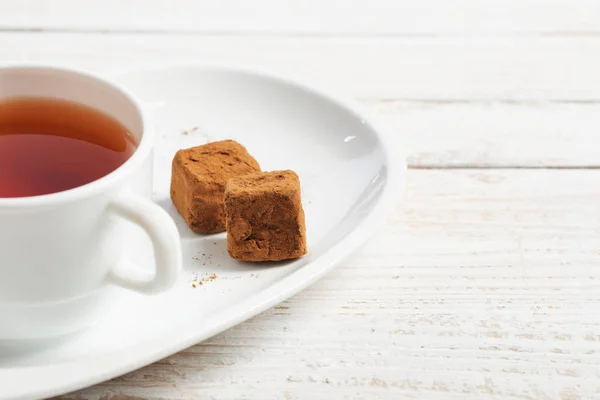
[{"x": 199, "y": 281}]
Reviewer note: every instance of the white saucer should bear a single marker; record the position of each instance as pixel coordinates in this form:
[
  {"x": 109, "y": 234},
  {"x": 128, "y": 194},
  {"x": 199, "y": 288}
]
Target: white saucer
[{"x": 349, "y": 183}]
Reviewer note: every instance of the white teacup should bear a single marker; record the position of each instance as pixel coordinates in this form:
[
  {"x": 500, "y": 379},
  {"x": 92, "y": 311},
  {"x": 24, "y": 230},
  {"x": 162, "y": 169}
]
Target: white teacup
[{"x": 58, "y": 252}]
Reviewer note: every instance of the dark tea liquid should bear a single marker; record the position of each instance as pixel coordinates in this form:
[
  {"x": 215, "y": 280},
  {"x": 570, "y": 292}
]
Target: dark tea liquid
[{"x": 50, "y": 145}]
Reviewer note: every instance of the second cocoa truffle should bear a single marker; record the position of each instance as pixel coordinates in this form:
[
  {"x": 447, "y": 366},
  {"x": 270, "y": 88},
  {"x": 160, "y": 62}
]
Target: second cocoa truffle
[
  {"x": 265, "y": 219},
  {"x": 198, "y": 182}
]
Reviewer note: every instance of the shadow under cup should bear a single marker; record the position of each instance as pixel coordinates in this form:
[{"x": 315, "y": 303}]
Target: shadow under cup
[{"x": 56, "y": 250}]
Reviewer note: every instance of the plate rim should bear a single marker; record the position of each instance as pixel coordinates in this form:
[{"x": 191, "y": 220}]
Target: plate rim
[{"x": 87, "y": 372}]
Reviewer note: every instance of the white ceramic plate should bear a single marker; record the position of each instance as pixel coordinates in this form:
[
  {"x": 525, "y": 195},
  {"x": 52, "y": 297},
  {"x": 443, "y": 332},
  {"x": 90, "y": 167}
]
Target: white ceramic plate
[{"x": 349, "y": 183}]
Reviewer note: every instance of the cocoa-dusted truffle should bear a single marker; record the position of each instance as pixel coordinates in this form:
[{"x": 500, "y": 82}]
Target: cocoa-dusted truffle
[
  {"x": 198, "y": 182},
  {"x": 265, "y": 219}
]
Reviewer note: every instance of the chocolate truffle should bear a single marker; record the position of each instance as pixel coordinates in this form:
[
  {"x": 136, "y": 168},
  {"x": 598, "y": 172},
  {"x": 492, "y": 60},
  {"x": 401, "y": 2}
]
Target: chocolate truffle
[
  {"x": 265, "y": 219},
  {"x": 198, "y": 182}
]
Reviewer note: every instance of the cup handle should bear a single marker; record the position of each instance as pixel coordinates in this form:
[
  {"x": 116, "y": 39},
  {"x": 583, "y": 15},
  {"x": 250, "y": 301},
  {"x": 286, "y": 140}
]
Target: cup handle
[{"x": 165, "y": 239}]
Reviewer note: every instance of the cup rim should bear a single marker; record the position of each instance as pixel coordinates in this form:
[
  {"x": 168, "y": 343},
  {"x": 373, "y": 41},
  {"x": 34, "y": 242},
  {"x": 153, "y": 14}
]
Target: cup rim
[{"x": 140, "y": 154}]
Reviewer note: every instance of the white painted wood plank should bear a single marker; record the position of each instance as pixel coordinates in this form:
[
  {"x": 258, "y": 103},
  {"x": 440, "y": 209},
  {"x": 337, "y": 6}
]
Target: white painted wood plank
[
  {"x": 483, "y": 285},
  {"x": 496, "y": 134},
  {"x": 329, "y": 17},
  {"x": 451, "y": 132},
  {"x": 514, "y": 68}
]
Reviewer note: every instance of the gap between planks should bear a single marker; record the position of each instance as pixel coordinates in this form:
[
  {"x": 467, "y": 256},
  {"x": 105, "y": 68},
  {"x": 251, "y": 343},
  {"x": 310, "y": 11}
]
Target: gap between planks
[{"x": 290, "y": 34}]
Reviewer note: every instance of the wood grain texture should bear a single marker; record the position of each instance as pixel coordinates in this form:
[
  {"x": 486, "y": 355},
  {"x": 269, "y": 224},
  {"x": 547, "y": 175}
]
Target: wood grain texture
[
  {"x": 421, "y": 68},
  {"x": 483, "y": 284},
  {"x": 308, "y": 17}
]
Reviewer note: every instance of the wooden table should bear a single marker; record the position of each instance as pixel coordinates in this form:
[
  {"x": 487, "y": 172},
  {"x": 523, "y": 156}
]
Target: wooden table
[{"x": 485, "y": 282}]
